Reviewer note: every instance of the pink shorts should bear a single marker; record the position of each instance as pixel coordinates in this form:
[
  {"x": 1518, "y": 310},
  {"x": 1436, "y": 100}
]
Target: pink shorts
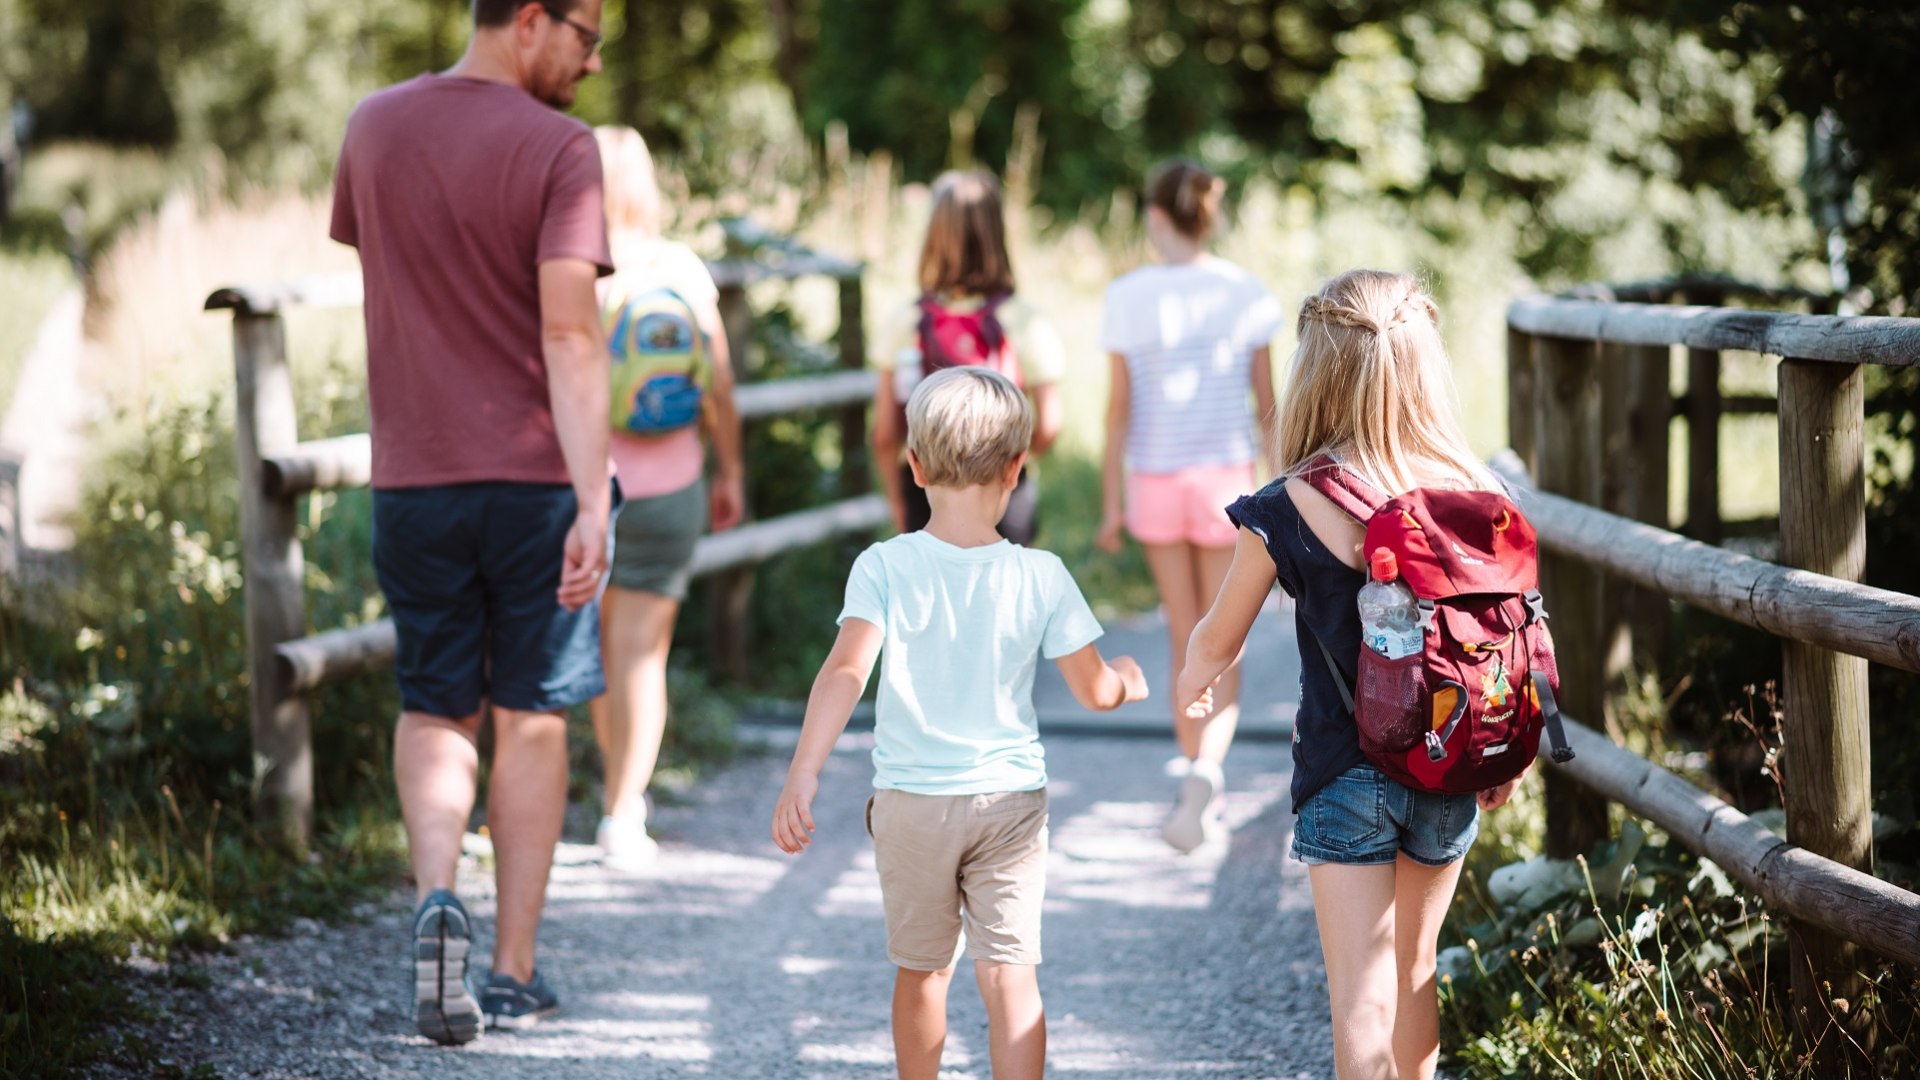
[{"x": 1187, "y": 507}]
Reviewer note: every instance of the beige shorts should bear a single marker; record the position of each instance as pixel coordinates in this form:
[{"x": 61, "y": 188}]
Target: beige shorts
[{"x": 940, "y": 856}]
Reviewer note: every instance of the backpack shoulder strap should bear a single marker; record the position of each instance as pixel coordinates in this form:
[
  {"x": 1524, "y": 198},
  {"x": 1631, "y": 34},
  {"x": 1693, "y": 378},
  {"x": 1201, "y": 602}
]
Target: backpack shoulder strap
[
  {"x": 929, "y": 310},
  {"x": 1353, "y": 496}
]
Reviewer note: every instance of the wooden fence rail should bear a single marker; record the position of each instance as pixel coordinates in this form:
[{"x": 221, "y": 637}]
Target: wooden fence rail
[
  {"x": 284, "y": 660},
  {"x": 1582, "y": 371}
]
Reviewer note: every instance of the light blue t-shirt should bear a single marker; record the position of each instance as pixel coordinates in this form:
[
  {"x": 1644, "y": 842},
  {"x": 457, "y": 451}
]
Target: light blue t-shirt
[{"x": 965, "y": 628}]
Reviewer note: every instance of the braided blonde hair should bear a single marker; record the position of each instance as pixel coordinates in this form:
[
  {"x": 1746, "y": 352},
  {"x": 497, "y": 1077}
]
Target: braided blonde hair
[{"x": 1370, "y": 384}]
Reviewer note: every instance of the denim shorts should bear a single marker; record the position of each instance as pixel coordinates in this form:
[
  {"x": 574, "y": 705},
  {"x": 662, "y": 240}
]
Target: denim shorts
[
  {"x": 470, "y": 572},
  {"x": 1363, "y": 818}
]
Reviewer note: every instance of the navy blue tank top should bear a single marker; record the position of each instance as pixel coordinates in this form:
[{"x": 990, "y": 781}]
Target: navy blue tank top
[{"x": 1325, "y": 595}]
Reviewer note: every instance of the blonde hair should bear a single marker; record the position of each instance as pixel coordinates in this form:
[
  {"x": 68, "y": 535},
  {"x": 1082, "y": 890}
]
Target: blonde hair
[
  {"x": 1188, "y": 194},
  {"x": 1370, "y": 384},
  {"x": 967, "y": 426},
  {"x": 632, "y": 193},
  {"x": 966, "y": 246}
]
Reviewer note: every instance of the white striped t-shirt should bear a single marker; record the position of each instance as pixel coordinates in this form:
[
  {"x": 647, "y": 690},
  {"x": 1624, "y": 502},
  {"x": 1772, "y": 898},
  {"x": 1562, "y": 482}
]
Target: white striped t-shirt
[{"x": 1188, "y": 333}]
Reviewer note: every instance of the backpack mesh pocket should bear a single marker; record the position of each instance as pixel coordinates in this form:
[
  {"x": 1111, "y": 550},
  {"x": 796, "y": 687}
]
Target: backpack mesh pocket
[{"x": 1391, "y": 708}]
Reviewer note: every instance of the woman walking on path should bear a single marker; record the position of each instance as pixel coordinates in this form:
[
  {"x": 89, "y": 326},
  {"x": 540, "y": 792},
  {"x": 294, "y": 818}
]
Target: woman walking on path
[
  {"x": 1188, "y": 338},
  {"x": 967, "y": 314},
  {"x": 1370, "y": 387},
  {"x": 669, "y": 502}
]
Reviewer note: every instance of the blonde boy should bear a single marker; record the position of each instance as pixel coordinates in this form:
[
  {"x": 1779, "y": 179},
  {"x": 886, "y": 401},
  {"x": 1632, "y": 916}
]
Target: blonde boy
[{"x": 959, "y": 815}]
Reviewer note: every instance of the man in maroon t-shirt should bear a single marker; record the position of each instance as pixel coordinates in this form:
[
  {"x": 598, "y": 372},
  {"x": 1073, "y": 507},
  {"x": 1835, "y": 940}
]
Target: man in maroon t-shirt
[{"x": 476, "y": 209}]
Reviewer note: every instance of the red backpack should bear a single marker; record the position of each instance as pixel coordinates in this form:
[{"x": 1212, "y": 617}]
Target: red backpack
[
  {"x": 1465, "y": 712},
  {"x": 951, "y": 338}
]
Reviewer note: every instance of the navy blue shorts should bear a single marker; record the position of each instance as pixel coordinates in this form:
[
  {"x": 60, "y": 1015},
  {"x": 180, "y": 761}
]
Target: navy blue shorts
[
  {"x": 470, "y": 573},
  {"x": 1365, "y": 818}
]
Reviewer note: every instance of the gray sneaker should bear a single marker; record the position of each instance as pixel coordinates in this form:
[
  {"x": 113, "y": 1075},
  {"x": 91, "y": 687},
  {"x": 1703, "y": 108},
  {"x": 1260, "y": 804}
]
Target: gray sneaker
[
  {"x": 512, "y": 1004},
  {"x": 443, "y": 1008}
]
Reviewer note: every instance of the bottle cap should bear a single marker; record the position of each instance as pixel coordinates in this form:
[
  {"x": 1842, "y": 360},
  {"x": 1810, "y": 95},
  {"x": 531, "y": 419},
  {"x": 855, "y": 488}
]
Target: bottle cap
[{"x": 1385, "y": 566}]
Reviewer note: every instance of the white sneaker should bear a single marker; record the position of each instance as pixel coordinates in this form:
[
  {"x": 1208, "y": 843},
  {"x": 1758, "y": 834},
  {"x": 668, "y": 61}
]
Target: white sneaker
[
  {"x": 1196, "y": 814},
  {"x": 624, "y": 843}
]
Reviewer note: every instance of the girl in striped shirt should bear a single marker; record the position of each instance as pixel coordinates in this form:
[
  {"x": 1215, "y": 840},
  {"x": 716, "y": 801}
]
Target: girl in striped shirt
[{"x": 1188, "y": 338}]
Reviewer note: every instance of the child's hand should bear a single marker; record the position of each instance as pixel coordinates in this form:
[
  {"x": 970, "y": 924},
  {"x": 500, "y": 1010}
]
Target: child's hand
[
  {"x": 1109, "y": 538},
  {"x": 793, "y": 814},
  {"x": 1494, "y": 798},
  {"x": 1131, "y": 677},
  {"x": 1193, "y": 697}
]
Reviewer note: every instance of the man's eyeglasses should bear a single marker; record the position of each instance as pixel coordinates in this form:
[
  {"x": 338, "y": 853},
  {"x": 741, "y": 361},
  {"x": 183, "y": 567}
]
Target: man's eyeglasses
[{"x": 590, "y": 36}]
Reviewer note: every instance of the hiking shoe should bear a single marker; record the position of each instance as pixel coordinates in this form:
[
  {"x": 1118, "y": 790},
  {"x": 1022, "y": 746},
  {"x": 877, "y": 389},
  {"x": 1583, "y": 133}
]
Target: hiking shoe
[
  {"x": 512, "y": 1004},
  {"x": 1196, "y": 813},
  {"x": 624, "y": 843},
  {"x": 443, "y": 1008}
]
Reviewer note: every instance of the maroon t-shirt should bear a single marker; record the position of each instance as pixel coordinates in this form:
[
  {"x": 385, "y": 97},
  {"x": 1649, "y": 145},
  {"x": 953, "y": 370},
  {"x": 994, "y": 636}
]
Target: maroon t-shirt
[{"x": 455, "y": 191}]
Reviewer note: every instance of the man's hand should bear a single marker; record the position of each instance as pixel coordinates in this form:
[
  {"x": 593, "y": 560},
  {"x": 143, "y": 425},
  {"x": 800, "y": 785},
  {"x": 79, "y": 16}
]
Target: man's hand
[
  {"x": 726, "y": 502},
  {"x": 1131, "y": 677},
  {"x": 793, "y": 814},
  {"x": 585, "y": 560},
  {"x": 1192, "y": 695},
  {"x": 1494, "y": 798}
]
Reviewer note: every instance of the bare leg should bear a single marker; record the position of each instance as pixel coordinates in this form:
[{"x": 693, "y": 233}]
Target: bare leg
[
  {"x": 1173, "y": 576},
  {"x": 436, "y": 766},
  {"x": 920, "y": 1021},
  {"x": 526, "y": 804},
  {"x": 1212, "y": 736},
  {"x": 1016, "y": 1021},
  {"x": 1354, "y": 907},
  {"x": 1421, "y": 897},
  {"x": 629, "y": 720}
]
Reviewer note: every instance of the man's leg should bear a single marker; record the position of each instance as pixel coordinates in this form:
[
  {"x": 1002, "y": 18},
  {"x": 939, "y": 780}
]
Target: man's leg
[
  {"x": 526, "y": 806},
  {"x": 435, "y": 765},
  {"x": 920, "y": 1021},
  {"x": 1016, "y": 1022}
]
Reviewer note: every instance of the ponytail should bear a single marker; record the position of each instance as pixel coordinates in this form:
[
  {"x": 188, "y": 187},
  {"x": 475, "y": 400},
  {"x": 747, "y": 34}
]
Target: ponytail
[{"x": 1189, "y": 195}]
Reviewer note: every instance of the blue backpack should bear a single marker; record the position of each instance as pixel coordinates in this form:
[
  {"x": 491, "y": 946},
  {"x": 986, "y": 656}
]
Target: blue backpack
[{"x": 660, "y": 369}]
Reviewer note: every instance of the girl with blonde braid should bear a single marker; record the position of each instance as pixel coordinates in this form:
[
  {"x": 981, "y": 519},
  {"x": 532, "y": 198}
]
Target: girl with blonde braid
[{"x": 1370, "y": 385}]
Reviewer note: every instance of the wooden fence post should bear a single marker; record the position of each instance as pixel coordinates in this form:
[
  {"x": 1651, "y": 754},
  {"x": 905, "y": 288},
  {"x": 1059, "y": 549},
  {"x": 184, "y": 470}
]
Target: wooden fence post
[
  {"x": 1703, "y": 445},
  {"x": 264, "y": 423},
  {"x": 1567, "y": 417},
  {"x": 730, "y": 620},
  {"x": 1520, "y": 396},
  {"x": 856, "y": 476},
  {"x": 1826, "y": 763},
  {"x": 1650, "y": 422}
]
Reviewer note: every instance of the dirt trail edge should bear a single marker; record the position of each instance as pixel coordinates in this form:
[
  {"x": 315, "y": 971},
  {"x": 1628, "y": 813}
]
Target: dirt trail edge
[{"x": 728, "y": 959}]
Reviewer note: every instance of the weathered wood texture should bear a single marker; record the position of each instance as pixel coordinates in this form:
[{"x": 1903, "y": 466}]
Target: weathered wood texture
[
  {"x": 1649, "y": 420},
  {"x": 856, "y": 477},
  {"x": 1846, "y": 339},
  {"x": 1703, "y": 445},
  {"x": 1824, "y": 693},
  {"x": 1876, "y": 624},
  {"x": 321, "y": 465},
  {"x": 1805, "y": 886},
  {"x": 318, "y": 291},
  {"x": 1567, "y": 422},
  {"x": 307, "y": 662},
  {"x": 274, "y": 571},
  {"x": 347, "y": 461},
  {"x": 1520, "y": 404}
]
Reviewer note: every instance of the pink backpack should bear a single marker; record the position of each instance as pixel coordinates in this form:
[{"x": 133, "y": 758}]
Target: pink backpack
[
  {"x": 1465, "y": 712},
  {"x": 974, "y": 338}
]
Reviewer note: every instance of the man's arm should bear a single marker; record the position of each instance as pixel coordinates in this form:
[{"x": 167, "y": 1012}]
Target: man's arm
[
  {"x": 835, "y": 691},
  {"x": 576, "y": 355}
]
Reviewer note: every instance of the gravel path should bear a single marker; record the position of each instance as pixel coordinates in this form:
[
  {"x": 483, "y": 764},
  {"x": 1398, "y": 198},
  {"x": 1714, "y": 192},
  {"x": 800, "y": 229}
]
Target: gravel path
[{"x": 729, "y": 959}]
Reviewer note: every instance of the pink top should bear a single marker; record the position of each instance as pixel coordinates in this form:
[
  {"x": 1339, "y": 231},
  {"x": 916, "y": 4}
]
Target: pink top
[
  {"x": 455, "y": 191},
  {"x": 650, "y": 465}
]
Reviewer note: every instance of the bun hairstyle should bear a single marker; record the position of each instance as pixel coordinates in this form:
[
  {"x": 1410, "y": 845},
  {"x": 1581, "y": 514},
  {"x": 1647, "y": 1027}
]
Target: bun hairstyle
[
  {"x": 1189, "y": 195},
  {"x": 1371, "y": 384}
]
